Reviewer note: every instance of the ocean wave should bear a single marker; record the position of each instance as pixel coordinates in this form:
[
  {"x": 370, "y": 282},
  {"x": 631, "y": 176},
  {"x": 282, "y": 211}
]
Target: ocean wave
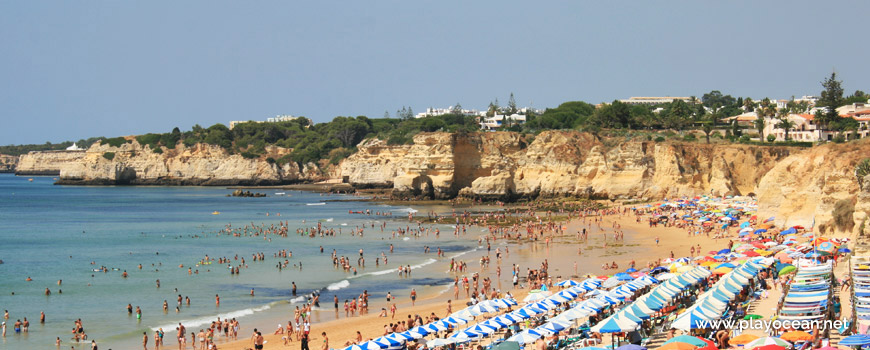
[
  {"x": 338, "y": 285},
  {"x": 463, "y": 253},
  {"x": 298, "y": 300},
  {"x": 318, "y": 203},
  {"x": 405, "y": 210},
  {"x": 207, "y": 320},
  {"x": 384, "y": 272}
]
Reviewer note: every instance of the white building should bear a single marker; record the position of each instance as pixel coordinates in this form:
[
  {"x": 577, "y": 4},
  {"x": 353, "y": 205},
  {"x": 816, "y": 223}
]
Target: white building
[
  {"x": 806, "y": 130},
  {"x": 431, "y": 112},
  {"x": 650, "y": 101},
  {"x": 74, "y": 147},
  {"x": 276, "y": 119},
  {"x": 498, "y": 120}
]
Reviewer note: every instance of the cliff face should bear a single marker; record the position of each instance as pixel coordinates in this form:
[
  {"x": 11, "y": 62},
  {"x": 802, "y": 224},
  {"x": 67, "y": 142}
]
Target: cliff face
[
  {"x": 503, "y": 165},
  {"x": 200, "y": 164},
  {"x": 807, "y": 188},
  {"x": 8, "y": 163},
  {"x": 46, "y": 162}
]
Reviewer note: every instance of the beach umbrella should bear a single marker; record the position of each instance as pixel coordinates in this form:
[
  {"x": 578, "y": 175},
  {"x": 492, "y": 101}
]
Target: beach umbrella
[
  {"x": 844, "y": 250},
  {"x": 593, "y": 293},
  {"x": 404, "y": 336},
  {"x": 568, "y": 283},
  {"x": 766, "y": 341},
  {"x": 439, "y": 342},
  {"x": 504, "y": 303},
  {"x": 453, "y": 320},
  {"x": 812, "y": 255},
  {"x": 769, "y": 219},
  {"x": 742, "y": 339},
  {"x": 369, "y": 345},
  {"x": 526, "y": 336},
  {"x": 744, "y": 224},
  {"x": 827, "y": 247},
  {"x": 615, "y": 325},
  {"x": 855, "y": 340},
  {"x": 658, "y": 269},
  {"x": 551, "y": 328},
  {"x": 612, "y": 282},
  {"x": 631, "y": 347},
  {"x": 687, "y": 339},
  {"x": 770, "y": 347},
  {"x": 665, "y": 276},
  {"x": 387, "y": 343},
  {"x": 690, "y": 320},
  {"x": 677, "y": 346},
  {"x": 752, "y": 317},
  {"x": 789, "y": 231},
  {"x": 794, "y": 336},
  {"x": 435, "y": 327},
  {"x": 787, "y": 269},
  {"x": 630, "y": 270},
  {"x": 592, "y": 348},
  {"x": 622, "y": 276},
  {"x": 758, "y": 231},
  {"x": 482, "y": 308},
  {"x": 535, "y": 296},
  {"x": 506, "y": 345}
]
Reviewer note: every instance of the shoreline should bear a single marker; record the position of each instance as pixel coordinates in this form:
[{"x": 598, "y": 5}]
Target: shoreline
[{"x": 526, "y": 254}]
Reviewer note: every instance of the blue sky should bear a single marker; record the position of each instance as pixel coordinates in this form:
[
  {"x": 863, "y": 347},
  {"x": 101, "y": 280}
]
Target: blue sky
[{"x": 71, "y": 69}]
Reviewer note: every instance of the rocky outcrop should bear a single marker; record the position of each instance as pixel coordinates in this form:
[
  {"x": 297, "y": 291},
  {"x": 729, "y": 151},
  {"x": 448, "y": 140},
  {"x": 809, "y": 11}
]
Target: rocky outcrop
[
  {"x": 46, "y": 162},
  {"x": 200, "y": 164},
  {"x": 805, "y": 189},
  {"x": 247, "y": 194},
  {"x": 8, "y": 163},
  {"x": 504, "y": 165}
]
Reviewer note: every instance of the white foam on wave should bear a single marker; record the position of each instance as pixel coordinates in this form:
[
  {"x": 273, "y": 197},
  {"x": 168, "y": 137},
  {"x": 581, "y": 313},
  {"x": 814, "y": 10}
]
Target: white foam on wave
[
  {"x": 463, "y": 253},
  {"x": 384, "y": 272},
  {"x": 406, "y": 210},
  {"x": 320, "y": 203},
  {"x": 329, "y": 220},
  {"x": 338, "y": 285},
  {"x": 447, "y": 288},
  {"x": 297, "y": 300},
  {"x": 406, "y": 238},
  {"x": 190, "y": 324}
]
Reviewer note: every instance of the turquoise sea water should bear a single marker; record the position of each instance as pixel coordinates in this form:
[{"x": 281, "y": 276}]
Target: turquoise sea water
[{"x": 52, "y": 233}]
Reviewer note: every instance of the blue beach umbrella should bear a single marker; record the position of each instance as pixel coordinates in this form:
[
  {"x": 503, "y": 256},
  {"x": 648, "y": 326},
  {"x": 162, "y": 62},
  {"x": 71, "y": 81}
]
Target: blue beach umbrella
[
  {"x": 855, "y": 340},
  {"x": 369, "y": 345},
  {"x": 724, "y": 251},
  {"x": 630, "y": 270},
  {"x": 789, "y": 231},
  {"x": 631, "y": 347},
  {"x": 745, "y": 224},
  {"x": 568, "y": 283},
  {"x": 761, "y": 230},
  {"x": 812, "y": 255},
  {"x": 844, "y": 250},
  {"x": 387, "y": 343}
]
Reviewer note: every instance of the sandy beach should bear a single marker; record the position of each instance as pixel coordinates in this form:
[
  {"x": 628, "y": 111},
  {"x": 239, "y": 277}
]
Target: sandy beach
[{"x": 638, "y": 244}]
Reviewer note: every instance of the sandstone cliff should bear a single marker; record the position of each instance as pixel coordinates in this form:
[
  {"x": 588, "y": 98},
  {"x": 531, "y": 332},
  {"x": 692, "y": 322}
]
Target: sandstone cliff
[
  {"x": 806, "y": 188},
  {"x": 201, "y": 164},
  {"x": 8, "y": 163},
  {"x": 46, "y": 162},
  {"x": 505, "y": 165}
]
